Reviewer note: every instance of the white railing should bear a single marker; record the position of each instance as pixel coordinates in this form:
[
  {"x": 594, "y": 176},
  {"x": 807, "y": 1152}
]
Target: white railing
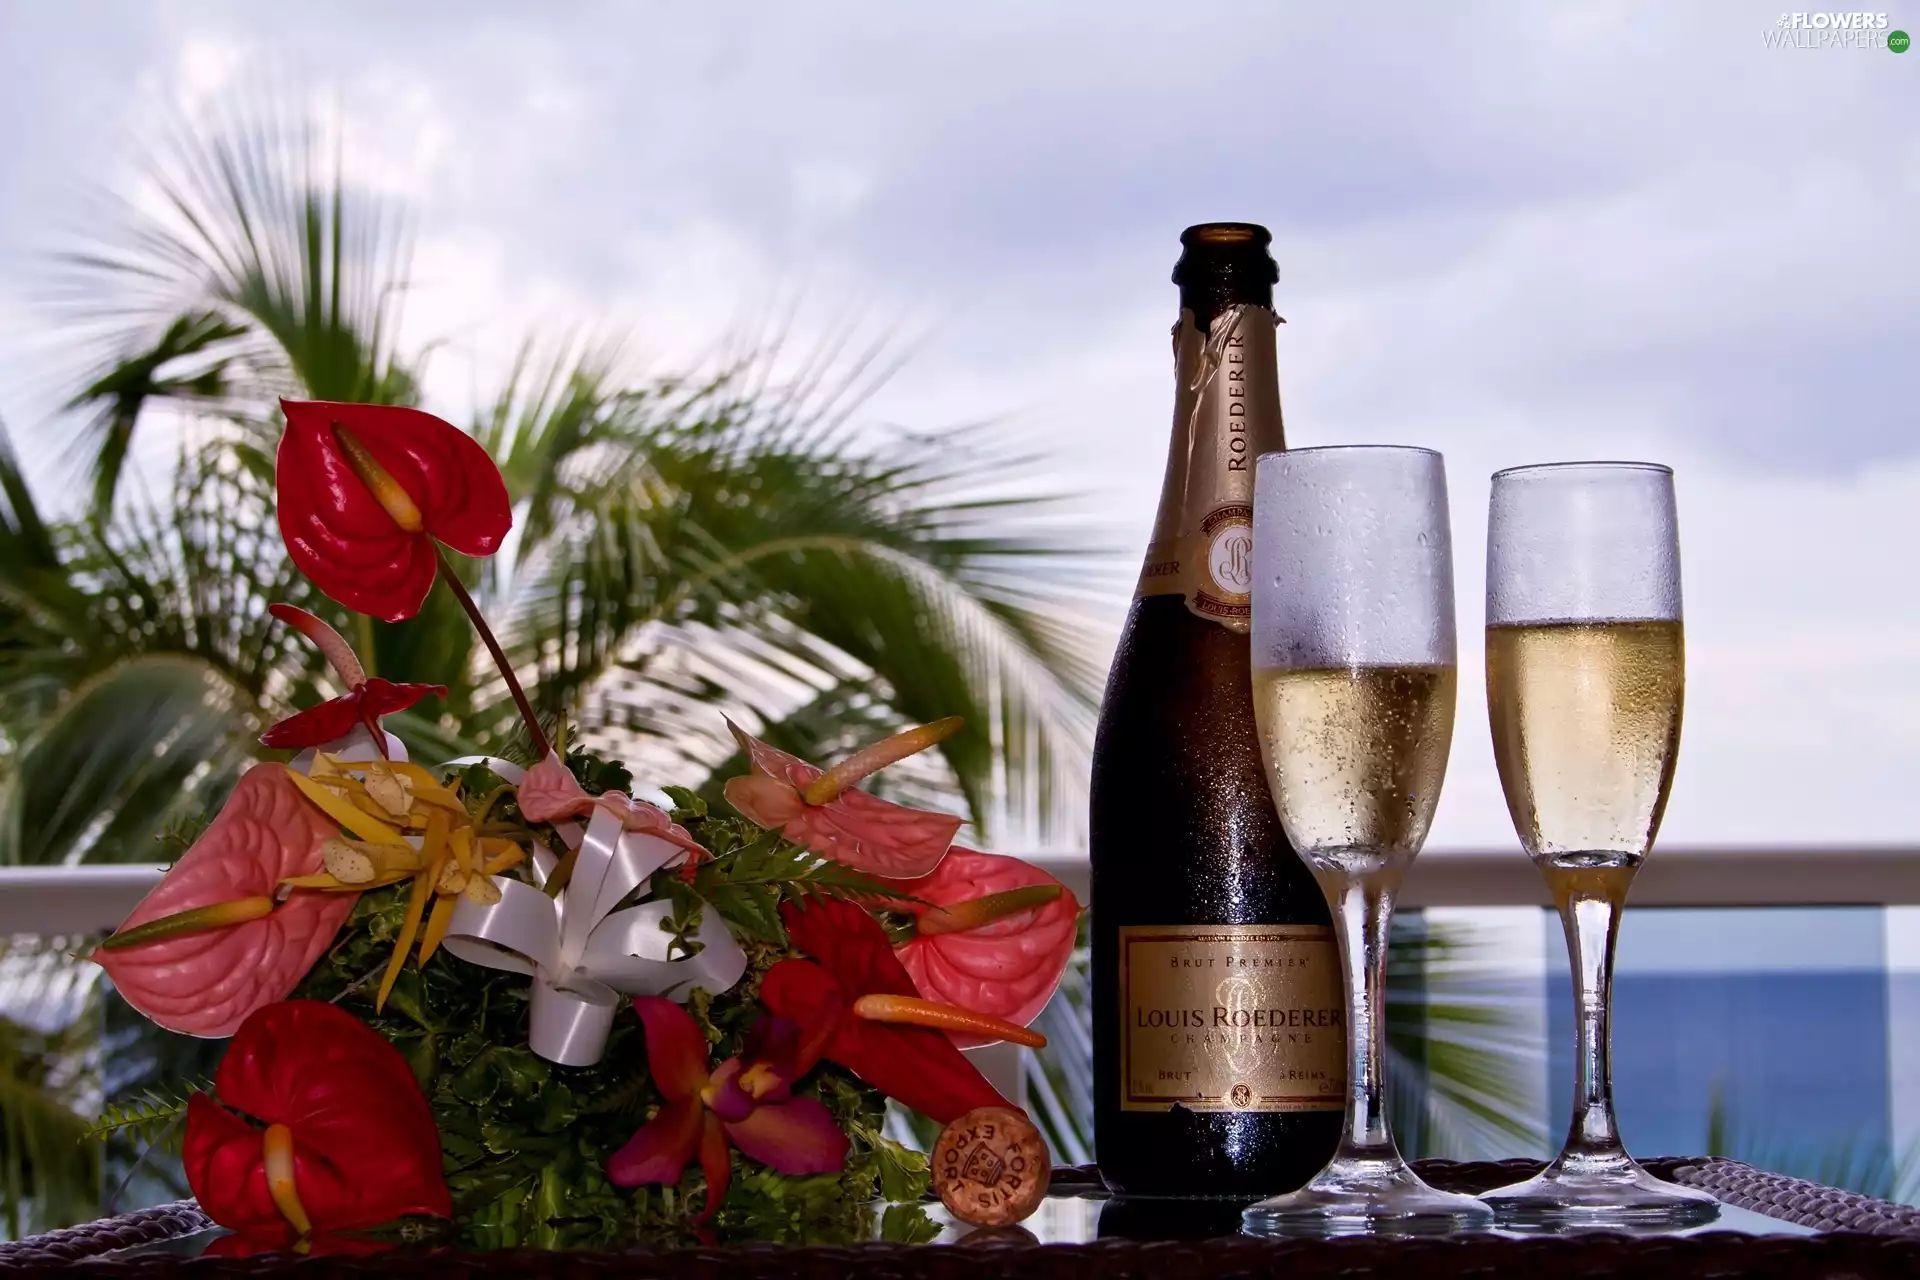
[
  {"x": 1681, "y": 876},
  {"x": 64, "y": 901},
  {"x": 76, "y": 901},
  {"x": 58, "y": 902}
]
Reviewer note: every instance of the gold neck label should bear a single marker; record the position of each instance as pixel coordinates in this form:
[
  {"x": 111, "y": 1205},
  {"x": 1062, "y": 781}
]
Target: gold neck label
[{"x": 1226, "y": 413}]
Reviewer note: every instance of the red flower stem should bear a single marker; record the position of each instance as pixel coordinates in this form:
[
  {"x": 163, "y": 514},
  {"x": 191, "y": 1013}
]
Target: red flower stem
[
  {"x": 364, "y": 625},
  {"x": 447, "y": 575}
]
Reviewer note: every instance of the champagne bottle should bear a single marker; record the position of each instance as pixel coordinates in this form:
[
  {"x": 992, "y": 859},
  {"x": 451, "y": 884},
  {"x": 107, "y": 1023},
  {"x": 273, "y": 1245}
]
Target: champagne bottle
[{"x": 1219, "y": 1036}]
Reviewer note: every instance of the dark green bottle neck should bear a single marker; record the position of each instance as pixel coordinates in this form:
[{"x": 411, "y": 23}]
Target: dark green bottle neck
[{"x": 1224, "y": 264}]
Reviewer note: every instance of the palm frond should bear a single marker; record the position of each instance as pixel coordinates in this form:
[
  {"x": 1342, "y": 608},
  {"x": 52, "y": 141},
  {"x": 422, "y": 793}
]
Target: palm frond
[
  {"x": 45, "y": 633},
  {"x": 24, "y": 538},
  {"x": 115, "y": 765},
  {"x": 829, "y": 566},
  {"x": 553, "y": 411},
  {"x": 135, "y": 704},
  {"x": 1456, "y": 1055},
  {"x": 255, "y": 272},
  {"x": 47, "y": 1176},
  {"x": 188, "y": 362}
]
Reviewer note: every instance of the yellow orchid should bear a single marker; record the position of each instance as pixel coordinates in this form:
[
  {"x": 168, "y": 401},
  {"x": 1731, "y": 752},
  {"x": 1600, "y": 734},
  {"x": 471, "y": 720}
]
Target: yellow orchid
[{"x": 408, "y": 827}]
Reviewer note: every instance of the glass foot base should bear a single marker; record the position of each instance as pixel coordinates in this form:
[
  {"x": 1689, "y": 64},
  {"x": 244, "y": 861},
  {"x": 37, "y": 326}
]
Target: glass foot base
[
  {"x": 1366, "y": 1197},
  {"x": 1599, "y": 1192}
]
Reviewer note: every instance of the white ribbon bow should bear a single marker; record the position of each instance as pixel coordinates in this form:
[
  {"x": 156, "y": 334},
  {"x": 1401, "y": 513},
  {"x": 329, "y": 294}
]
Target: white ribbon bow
[{"x": 582, "y": 954}]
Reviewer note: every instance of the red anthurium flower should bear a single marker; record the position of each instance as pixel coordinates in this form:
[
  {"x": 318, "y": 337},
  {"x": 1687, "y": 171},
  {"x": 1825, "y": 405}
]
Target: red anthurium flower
[
  {"x": 366, "y": 491},
  {"x": 995, "y": 935},
  {"x": 743, "y": 1103},
  {"x": 245, "y": 1244},
  {"x": 366, "y": 699},
  {"x": 855, "y": 1005},
  {"x": 209, "y": 946},
  {"x": 820, "y": 809},
  {"x": 348, "y": 1140}
]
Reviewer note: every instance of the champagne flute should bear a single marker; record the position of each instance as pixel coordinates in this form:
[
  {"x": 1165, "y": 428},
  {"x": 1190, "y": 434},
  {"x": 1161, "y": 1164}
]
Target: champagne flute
[
  {"x": 1586, "y": 671},
  {"x": 1353, "y": 688}
]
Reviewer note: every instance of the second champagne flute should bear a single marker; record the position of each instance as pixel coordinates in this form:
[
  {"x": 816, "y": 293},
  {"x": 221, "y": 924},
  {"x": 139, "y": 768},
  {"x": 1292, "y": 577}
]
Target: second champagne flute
[
  {"x": 1586, "y": 675},
  {"x": 1353, "y": 692}
]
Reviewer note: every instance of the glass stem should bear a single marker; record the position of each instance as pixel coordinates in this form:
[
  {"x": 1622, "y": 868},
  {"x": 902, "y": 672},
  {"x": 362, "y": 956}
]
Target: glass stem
[
  {"x": 1363, "y": 915},
  {"x": 1592, "y": 922}
]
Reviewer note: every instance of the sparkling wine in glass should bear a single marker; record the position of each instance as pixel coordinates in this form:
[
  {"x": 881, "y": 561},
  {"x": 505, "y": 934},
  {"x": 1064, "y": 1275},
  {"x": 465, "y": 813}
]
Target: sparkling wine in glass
[
  {"x": 1586, "y": 676},
  {"x": 1353, "y": 692}
]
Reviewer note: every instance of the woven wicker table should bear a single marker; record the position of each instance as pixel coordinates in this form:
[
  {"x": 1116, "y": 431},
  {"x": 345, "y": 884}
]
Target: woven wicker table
[{"x": 1802, "y": 1229}]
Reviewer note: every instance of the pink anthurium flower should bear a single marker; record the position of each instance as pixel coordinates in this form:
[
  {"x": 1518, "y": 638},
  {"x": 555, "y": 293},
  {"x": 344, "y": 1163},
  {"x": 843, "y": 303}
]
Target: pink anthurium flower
[
  {"x": 209, "y": 945},
  {"x": 743, "y": 1103},
  {"x": 821, "y": 810},
  {"x": 994, "y": 934},
  {"x": 550, "y": 792}
]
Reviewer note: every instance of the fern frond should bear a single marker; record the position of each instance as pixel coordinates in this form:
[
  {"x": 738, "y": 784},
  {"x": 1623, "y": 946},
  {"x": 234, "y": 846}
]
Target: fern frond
[
  {"x": 748, "y": 880},
  {"x": 179, "y": 835},
  {"x": 148, "y": 1116},
  {"x": 796, "y": 871}
]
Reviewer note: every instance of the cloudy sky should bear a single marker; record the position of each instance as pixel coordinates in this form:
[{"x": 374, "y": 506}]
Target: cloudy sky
[{"x": 1593, "y": 230}]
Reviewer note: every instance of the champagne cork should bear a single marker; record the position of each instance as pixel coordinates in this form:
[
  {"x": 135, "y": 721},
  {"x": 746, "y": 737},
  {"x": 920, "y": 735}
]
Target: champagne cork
[{"x": 991, "y": 1167}]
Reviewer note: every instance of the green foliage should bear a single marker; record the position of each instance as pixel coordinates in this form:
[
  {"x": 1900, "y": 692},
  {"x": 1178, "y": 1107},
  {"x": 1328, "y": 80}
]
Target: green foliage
[
  {"x": 153, "y": 1116},
  {"x": 48, "y": 1176},
  {"x": 526, "y": 1141},
  {"x": 753, "y": 871},
  {"x": 1454, "y": 1049},
  {"x": 599, "y": 775}
]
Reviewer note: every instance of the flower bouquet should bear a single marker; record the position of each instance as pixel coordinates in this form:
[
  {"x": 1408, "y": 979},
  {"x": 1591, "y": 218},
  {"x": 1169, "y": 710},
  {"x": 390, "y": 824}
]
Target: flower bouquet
[{"x": 506, "y": 1003}]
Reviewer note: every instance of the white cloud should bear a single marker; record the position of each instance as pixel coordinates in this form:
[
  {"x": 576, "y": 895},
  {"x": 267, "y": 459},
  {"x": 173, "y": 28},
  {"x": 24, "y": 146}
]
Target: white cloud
[{"x": 1605, "y": 231}]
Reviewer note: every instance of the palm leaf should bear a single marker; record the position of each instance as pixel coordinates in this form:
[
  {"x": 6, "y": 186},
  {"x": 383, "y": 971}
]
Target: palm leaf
[
  {"x": 122, "y": 390},
  {"x": 48, "y": 1177},
  {"x": 24, "y": 539},
  {"x": 1455, "y": 1053},
  {"x": 45, "y": 635},
  {"x": 822, "y": 566},
  {"x": 118, "y": 762},
  {"x": 256, "y": 273}
]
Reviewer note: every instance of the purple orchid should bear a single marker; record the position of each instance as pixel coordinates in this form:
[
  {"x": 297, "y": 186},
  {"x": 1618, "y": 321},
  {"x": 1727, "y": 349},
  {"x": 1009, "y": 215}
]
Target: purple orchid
[{"x": 745, "y": 1103}]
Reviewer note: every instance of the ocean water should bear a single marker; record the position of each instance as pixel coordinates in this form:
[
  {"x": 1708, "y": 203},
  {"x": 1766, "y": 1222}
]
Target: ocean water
[{"x": 1788, "y": 1037}]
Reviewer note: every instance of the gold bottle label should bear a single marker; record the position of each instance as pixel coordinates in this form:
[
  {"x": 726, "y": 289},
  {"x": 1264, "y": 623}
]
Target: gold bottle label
[
  {"x": 1226, "y": 413},
  {"x": 1231, "y": 1017}
]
